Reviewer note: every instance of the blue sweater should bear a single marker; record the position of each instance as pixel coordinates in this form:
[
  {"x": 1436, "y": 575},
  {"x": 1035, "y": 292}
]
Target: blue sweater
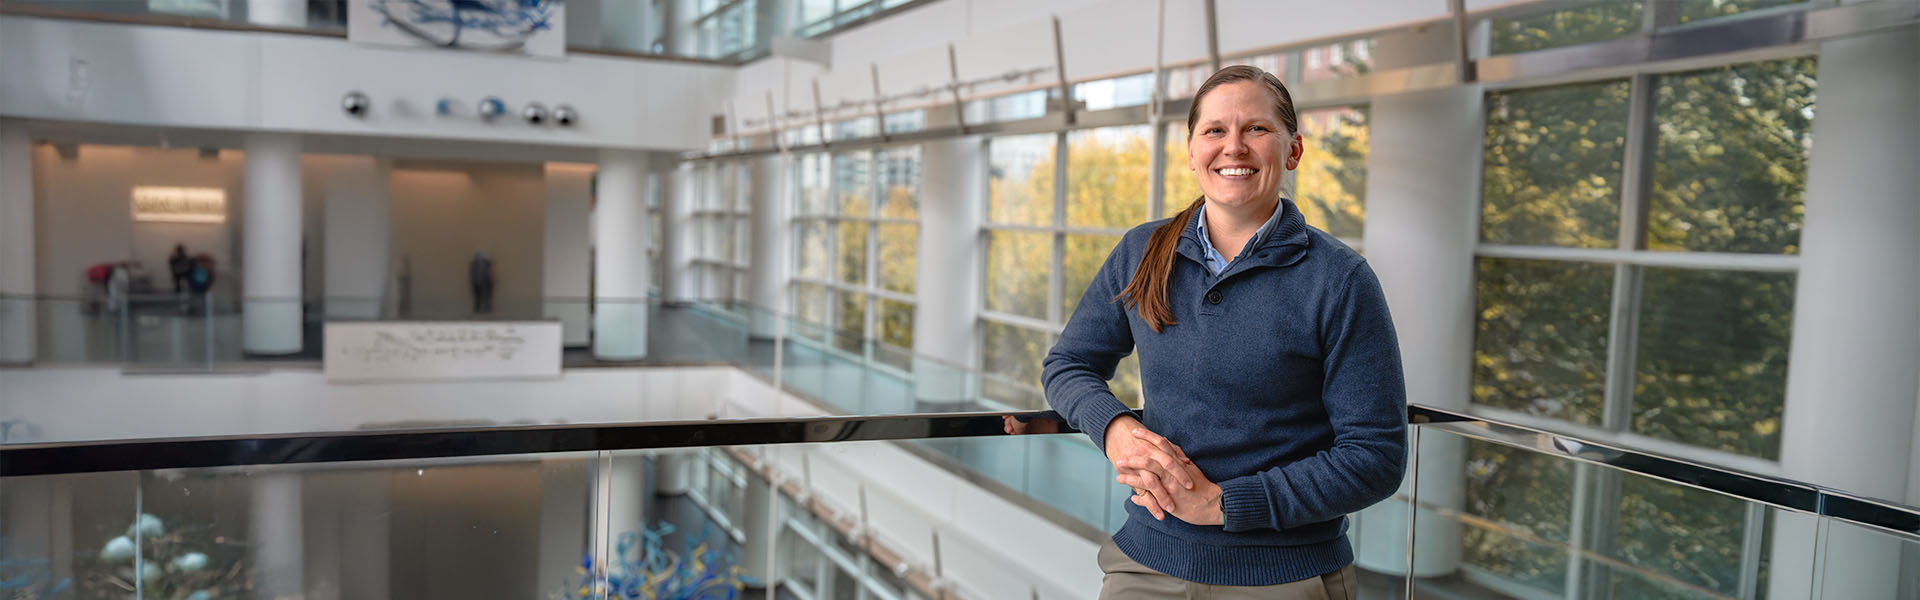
[{"x": 1281, "y": 380}]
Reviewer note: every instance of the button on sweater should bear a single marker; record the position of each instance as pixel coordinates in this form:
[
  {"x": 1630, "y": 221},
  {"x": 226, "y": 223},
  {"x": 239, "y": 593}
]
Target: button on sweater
[{"x": 1280, "y": 379}]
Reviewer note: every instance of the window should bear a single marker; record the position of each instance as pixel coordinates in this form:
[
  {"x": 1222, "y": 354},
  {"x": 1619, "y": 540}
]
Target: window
[
  {"x": 721, "y": 222},
  {"x": 727, "y": 28},
  {"x": 1592, "y": 22},
  {"x": 853, "y": 208},
  {"x": 1578, "y": 323},
  {"x": 1045, "y": 242}
]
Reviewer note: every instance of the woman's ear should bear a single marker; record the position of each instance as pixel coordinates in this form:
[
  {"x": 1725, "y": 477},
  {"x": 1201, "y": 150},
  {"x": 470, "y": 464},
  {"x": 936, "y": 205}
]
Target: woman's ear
[{"x": 1294, "y": 149}]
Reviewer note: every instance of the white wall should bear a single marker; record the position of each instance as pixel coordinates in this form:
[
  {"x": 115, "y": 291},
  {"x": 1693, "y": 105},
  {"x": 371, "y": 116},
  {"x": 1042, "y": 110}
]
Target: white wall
[
  {"x": 444, "y": 212},
  {"x": 170, "y": 76}
]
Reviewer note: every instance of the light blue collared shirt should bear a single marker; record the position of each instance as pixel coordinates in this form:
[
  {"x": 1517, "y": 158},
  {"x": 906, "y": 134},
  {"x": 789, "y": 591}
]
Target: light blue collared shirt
[{"x": 1217, "y": 263}]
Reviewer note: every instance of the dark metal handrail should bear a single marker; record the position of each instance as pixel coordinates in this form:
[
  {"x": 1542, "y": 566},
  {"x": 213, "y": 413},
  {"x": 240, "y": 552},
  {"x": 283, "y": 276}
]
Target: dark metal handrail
[{"x": 466, "y": 442}]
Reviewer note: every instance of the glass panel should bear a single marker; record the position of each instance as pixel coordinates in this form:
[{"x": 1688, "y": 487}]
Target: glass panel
[
  {"x": 1013, "y": 354},
  {"x": 1333, "y": 170},
  {"x": 1713, "y": 358},
  {"x": 1126, "y": 381},
  {"x": 1522, "y": 508},
  {"x": 813, "y": 249},
  {"x": 850, "y": 267},
  {"x": 1680, "y": 542},
  {"x": 1020, "y": 182},
  {"x": 1107, "y": 172},
  {"x": 1696, "y": 10},
  {"x": 1017, "y": 270},
  {"x": 1085, "y": 254},
  {"x": 850, "y": 323},
  {"x": 1855, "y": 561},
  {"x": 900, "y": 183},
  {"x": 1552, "y": 166},
  {"x": 1595, "y": 22},
  {"x": 1337, "y": 61},
  {"x": 898, "y": 256},
  {"x": 857, "y": 128},
  {"x": 812, "y": 171},
  {"x": 1131, "y": 90},
  {"x": 905, "y": 121},
  {"x": 1541, "y": 337},
  {"x": 895, "y": 321},
  {"x": 810, "y": 304},
  {"x": 1181, "y": 186},
  {"x": 853, "y": 181},
  {"x": 1731, "y": 166}
]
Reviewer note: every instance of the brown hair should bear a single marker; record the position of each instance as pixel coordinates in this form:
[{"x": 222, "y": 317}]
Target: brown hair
[{"x": 1147, "y": 293}]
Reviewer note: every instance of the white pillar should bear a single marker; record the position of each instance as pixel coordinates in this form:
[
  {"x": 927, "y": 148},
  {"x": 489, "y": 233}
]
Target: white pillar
[
  {"x": 953, "y": 187},
  {"x": 18, "y": 309},
  {"x": 277, "y": 13},
  {"x": 569, "y": 243},
  {"x": 1851, "y": 391},
  {"x": 620, "y": 256},
  {"x": 276, "y": 542},
  {"x": 767, "y": 280},
  {"x": 1421, "y": 228},
  {"x": 677, "y": 199},
  {"x": 270, "y": 274},
  {"x": 359, "y": 235},
  {"x": 1422, "y": 224}
]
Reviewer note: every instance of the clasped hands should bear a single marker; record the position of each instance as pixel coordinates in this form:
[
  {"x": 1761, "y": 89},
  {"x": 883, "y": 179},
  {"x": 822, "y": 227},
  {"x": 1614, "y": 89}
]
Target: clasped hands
[{"x": 1164, "y": 480}]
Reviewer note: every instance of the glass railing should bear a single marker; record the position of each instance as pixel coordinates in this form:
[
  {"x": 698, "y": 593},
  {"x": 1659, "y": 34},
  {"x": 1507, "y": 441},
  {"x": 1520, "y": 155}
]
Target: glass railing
[
  {"x": 1504, "y": 510},
  {"x": 847, "y": 507},
  {"x": 827, "y": 507},
  {"x": 1528, "y": 513}
]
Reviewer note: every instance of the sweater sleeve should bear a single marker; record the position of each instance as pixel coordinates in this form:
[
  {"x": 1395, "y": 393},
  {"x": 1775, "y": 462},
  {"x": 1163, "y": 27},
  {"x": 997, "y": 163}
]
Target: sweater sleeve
[
  {"x": 1078, "y": 367},
  {"x": 1365, "y": 396}
]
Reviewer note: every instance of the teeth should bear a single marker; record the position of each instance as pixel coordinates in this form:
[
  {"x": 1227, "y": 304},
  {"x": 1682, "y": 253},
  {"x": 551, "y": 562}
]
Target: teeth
[{"x": 1241, "y": 171}]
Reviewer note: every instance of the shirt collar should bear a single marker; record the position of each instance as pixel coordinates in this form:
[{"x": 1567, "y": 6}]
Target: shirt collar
[{"x": 1259, "y": 236}]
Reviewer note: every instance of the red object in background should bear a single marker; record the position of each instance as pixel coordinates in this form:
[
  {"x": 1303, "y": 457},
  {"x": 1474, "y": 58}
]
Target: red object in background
[{"x": 100, "y": 273}]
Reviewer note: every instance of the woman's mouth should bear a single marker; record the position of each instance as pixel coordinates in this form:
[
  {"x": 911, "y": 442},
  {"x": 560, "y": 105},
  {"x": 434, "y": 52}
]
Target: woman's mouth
[{"x": 1236, "y": 172}]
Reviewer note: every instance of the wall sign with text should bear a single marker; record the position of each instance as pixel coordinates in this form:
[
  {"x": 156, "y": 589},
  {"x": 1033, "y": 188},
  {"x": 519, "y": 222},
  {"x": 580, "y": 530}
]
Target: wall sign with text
[
  {"x": 179, "y": 204},
  {"x": 441, "y": 350}
]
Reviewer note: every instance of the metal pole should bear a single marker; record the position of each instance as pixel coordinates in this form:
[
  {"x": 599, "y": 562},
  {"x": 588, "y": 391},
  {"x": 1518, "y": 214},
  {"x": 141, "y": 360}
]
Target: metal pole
[
  {"x": 953, "y": 85},
  {"x": 1213, "y": 36},
  {"x": 1413, "y": 499},
  {"x": 1060, "y": 69}
]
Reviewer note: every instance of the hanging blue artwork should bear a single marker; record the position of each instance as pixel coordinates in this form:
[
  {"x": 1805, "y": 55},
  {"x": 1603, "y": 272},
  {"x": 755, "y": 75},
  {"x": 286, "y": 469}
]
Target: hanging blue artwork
[
  {"x": 520, "y": 26},
  {"x": 642, "y": 567}
]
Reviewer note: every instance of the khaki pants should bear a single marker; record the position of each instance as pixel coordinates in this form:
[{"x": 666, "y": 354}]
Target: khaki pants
[{"x": 1129, "y": 580}]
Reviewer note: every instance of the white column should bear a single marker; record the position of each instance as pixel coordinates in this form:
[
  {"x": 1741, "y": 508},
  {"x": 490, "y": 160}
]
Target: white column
[
  {"x": 1421, "y": 228},
  {"x": 569, "y": 243},
  {"x": 276, "y": 542},
  {"x": 620, "y": 233},
  {"x": 359, "y": 236},
  {"x": 767, "y": 280},
  {"x": 18, "y": 311},
  {"x": 953, "y": 188},
  {"x": 757, "y": 522},
  {"x": 277, "y": 13},
  {"x": 270, "y": 275},
  {"x": 1851, "y": 390},
  {"x": 677, "y": 199}
]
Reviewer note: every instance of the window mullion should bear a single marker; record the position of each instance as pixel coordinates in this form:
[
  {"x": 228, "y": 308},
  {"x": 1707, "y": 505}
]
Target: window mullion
[{"x": 1055, "y": 283}]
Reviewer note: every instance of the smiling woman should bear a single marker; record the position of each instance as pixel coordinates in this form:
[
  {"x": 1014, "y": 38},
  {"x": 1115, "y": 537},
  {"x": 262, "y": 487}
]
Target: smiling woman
[{"x": 1274, "y": 376}]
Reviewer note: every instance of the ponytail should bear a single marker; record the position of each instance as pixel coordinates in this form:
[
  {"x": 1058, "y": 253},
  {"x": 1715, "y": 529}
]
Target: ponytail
[{"x": 1147, "y": 293}]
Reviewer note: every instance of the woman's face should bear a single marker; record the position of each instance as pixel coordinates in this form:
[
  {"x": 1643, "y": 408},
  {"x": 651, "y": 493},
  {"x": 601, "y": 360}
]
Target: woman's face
[{"x": 1239, "y": 149}]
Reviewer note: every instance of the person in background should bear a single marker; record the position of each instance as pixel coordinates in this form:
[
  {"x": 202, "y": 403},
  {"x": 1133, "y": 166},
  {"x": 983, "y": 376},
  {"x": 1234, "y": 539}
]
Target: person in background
[
  {"x": 179, "y": 265},
  {"x": 1268, "y": 359},
  {"x": 480, "y": 274}
]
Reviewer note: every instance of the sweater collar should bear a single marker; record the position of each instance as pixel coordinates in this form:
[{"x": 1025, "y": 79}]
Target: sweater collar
[{"x": 1284, "y": 241}]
